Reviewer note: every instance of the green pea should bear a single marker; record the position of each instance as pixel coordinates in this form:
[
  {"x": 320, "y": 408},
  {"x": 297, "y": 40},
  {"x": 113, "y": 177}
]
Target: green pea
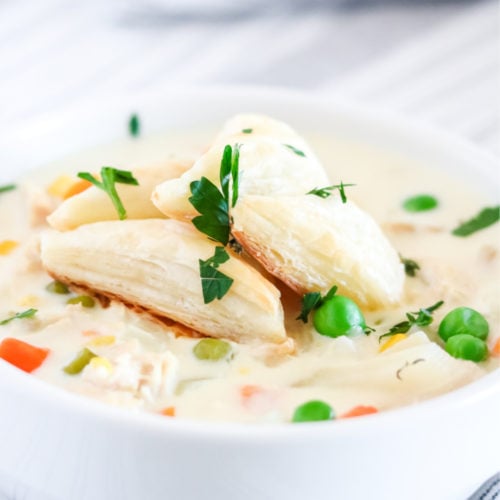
[
  {"x": 338, "y": 315},
  {"x": 83, "y": 300},
  {"x": 80, "y": 362},
  {"x": 313, "y": 411},
  {"x": 464, "y": 320},
  {"x": 465, "y": 346},
  {"x": 420, "y": 203},
  {"x": 211, "y": 349},
  {"x": 57, "y": 287}
]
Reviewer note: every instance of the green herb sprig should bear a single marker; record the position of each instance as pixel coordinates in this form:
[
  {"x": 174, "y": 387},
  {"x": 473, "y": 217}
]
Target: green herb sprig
[
  {"x": 486, "y": 217},
  {"x": 214, "y": 204},
  {"x": 111, "y": 176},
  {"x": 8, "y": 187},
  {"x": 325, "y": 192},
  {"x": 312, "y": 300},
  {"x": 214, "y": 284},
  {"x": 29, "y": 313},
  {"x": 422, "y": 317},
  {"x": 134, "y": 125},
  {"x": 298, "y": 152},
  {"x": 247, "y": 130},
  {"x": 411, "y": 267}
]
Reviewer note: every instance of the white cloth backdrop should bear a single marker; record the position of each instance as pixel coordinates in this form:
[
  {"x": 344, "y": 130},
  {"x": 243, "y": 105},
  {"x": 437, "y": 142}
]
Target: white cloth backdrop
[{"x": 436, "y": 60}]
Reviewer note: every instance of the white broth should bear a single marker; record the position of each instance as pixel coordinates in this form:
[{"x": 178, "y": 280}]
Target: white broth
[{"x": 142, "y": 365}]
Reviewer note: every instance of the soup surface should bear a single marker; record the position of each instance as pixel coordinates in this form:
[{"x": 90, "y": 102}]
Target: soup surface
[{"x": 140, "y": 363}]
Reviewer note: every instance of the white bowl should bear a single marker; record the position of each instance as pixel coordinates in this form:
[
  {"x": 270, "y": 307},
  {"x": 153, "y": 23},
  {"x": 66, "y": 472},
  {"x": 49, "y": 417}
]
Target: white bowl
[{"x": 56, "y": 445}]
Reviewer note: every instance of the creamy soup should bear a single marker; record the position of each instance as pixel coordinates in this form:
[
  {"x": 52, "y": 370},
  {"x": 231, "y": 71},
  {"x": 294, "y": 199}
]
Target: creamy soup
[{"x": 142, "y": 363}]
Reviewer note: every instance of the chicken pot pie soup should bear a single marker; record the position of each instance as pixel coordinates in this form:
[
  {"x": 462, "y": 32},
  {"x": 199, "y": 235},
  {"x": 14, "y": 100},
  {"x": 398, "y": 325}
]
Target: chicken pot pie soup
[{"x": 254, "y": 277}]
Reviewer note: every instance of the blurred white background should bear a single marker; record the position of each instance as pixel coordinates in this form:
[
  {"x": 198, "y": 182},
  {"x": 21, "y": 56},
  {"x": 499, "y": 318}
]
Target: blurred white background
[{"x": 434, "y": 60}]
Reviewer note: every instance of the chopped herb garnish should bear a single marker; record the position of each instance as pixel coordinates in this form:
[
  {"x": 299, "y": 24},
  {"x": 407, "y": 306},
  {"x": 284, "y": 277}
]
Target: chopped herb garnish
[
  {"x": 212, "y": 203},
  {"x": 247, "y": 130},
  {"x": 423, "y": 317},
  {"x": 411, "y": 267},
  {"x": 298, "y": 152},
  {"x": 111, "y": 176},
  {"x": 134, "y": 125},
  {"x": 29, "y": 313},
  {"x": 420, "y": 203},
  {"x": 310, "y": 301},
  {"x": 406, "y": 365},
  {"x": 214, "y": 284},
  {"x": 8, "y": 187},
  {"x": 325, "y": 192},
  {"x": 215, "y": 221},
  {"x": 486, "y": 217}
]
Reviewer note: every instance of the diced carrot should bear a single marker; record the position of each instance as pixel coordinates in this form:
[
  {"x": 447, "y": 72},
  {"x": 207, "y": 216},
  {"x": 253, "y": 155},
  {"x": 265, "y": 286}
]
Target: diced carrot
[
  {"x": 247, "y": 391},
  {"x": 89, "y": 333},
  {"x": 359, "y": 411},
  {"x": 7, "y": 246},
  {"x": 76, "y": 188},
  {"x": 496, "y": 348},
  {"x": 59, "y": 186},
  {"x": 65, "y": 186},
  {"x": 169, "y": 411},
  {"x": 392, "y": 340},
  {"x": 21, "y": 354}
]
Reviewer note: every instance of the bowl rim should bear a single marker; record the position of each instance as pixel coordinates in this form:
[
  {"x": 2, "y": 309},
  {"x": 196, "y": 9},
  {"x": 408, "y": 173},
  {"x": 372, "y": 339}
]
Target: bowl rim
[{"x": 140, "y": 421}]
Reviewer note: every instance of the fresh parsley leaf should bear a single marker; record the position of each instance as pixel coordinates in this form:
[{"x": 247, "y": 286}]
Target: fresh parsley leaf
[
  {"x": 411, "y": 267},
  {"x": 247, "y": 130},
  {"x": 298, "y": 152},
  {"x": 486, "y": 217},
  {"x": 29, "y": 313},
  {"x": 111, "y": 176},
  {"x": 422, "y": 317},
  {"x": 235, "y": 174},
  {"x": 310, "y": 301},
  {"x": 212, "y": 203},
  {"x": 220, "y": 256},
  {"x": 225, "y": 171},
  {"x": 134, "y": 125},
  {"x": 214, "y": 284},
  {"x": 215, "y": 220},
  {"x": 327, "y": 191},
  {"x": 8, "y": 187},
  {"x": 331, "y": 292}
]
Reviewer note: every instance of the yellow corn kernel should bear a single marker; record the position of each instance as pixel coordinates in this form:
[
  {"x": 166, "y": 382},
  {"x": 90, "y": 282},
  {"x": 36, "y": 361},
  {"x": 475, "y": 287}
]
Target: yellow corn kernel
[
  {"x": 393, "y": 340},
  {"x": 102, "y": 340},
  {"x": 29, "y": 301},
  {"x": 244, "y": 370},
  {"x": 100, "y": 362},
  {"x": 7, "y": 246}
]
